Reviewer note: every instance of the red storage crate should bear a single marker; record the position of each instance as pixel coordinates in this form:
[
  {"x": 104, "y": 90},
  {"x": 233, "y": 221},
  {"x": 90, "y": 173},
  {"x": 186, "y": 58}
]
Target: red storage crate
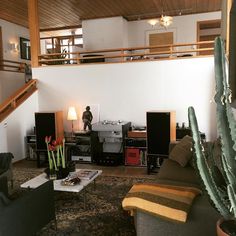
[{"x": 132, "y": 156}]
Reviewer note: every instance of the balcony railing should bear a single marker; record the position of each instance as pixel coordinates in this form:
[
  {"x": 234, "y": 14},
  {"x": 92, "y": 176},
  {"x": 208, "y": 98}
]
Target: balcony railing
[
  {"x": 168, "y": 51},
  {"x": 12, "y": 66}
]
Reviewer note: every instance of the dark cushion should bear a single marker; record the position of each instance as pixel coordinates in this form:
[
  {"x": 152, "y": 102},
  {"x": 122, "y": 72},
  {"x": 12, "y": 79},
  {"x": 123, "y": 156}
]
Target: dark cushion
[
  {"x": 5, "y": 160},
  {"x": 182, "y": 152},
  {"x": 4, "y": 201},
  {"x": 171, "y": 170},
  {"x": 3, "y": 185}
]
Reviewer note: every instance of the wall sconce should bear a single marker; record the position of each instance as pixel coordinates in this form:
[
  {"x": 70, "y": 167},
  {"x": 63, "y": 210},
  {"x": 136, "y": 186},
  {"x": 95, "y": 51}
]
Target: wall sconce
[
  {"x": 153, "y": 22},
  {"x": 72, "y": 116},
  {"x": 13, "y": 47}
]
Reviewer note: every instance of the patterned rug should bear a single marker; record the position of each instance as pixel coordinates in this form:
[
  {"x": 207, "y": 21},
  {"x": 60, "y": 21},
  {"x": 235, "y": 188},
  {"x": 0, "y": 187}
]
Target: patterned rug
[{"x": 101, "y": 215}]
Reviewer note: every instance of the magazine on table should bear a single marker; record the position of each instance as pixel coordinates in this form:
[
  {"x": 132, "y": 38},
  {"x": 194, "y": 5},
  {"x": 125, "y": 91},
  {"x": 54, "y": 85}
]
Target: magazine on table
[{"x": 86, "y": 174}]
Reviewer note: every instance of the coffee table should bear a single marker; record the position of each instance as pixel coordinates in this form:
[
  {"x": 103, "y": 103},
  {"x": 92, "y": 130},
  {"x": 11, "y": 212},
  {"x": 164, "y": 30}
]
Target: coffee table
[{"x": 42, "y": 178}]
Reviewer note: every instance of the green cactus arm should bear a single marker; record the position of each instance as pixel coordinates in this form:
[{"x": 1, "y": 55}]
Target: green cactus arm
[
  {"x": 232, "y": 198},
  {"x": 228, "y": 171},
  {"x": 226, "y": 124},
  {"x": 231, "y": 180},
  {"x": 225, "y": 120},
  {"x": 232, "y": 125},
  {"x": 217, "y": 197}
]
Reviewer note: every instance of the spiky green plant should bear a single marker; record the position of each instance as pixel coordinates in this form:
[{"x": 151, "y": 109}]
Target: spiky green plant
[{"x": 224, "y": 199}]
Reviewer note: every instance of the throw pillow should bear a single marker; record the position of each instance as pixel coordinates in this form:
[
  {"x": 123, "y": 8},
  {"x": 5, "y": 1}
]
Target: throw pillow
[{"x": 182, "y": 152}]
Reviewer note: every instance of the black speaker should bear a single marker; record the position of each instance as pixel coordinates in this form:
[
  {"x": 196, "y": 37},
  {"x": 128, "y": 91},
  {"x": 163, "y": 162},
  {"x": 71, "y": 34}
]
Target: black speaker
[
  {"x": 161, "y": 129},
  {"x": 48, "y": 124}
]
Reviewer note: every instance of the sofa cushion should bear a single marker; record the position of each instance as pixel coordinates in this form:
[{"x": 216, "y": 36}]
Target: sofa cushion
[
  {"x": 171, "y": 170},
  {"x": 182, "y": 152},
  {"x": 3, "y": 200}
]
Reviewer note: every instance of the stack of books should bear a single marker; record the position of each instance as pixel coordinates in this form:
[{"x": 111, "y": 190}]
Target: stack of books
[{"x": 86, "y": 174}]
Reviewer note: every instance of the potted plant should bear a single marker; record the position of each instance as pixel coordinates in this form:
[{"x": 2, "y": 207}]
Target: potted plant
[
  {"x": 56, "y": 158},
  {"x": 219, "y": 185}
]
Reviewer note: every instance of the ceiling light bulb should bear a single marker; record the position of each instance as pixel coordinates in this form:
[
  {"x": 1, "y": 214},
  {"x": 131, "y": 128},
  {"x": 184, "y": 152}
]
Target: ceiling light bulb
[
  {"x": 153, "y": 22},
  {"x": 166, "y": 20}
]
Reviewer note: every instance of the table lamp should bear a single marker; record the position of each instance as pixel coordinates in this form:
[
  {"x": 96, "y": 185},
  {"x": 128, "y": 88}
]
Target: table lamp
[{"x": 72, "y": 116}]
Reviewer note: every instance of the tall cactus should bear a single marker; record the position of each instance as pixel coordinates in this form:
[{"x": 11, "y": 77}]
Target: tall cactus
[{"x": 223, "y": 199}]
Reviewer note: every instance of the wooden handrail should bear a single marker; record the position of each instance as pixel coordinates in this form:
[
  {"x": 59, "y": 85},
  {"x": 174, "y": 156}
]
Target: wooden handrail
[
  {"x": 131, "y": 49},
  {"x": 174, "y": 50},
  {"x": 16, "y": 62},
  {"x": 129, "y": 55},
  {"x": 12, "y": 66},
  {"x": 11, "y": 103}
]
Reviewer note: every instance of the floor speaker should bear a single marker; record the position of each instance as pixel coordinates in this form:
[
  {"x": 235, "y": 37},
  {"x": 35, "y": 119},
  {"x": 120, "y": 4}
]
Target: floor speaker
[
  {"x": 48, "y": 124},
  {"x": 161, "y": 129}
]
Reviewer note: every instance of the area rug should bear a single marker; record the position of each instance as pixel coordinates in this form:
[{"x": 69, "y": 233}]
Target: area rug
[{"x": 102, "y": 213}]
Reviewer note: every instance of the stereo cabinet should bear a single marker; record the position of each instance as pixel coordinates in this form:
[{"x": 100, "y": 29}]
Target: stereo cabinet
[{"x": 136, "y": 149}]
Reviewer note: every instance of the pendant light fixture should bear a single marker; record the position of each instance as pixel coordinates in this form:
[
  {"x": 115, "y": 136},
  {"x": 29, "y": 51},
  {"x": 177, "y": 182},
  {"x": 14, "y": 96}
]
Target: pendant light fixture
[{"x": 164, "y": 20}]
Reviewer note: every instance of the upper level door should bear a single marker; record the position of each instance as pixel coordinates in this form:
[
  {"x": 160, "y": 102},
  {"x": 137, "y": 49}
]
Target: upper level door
[
  {"x": 161, "y": 39},
  {"x": 208, "y": 31}
]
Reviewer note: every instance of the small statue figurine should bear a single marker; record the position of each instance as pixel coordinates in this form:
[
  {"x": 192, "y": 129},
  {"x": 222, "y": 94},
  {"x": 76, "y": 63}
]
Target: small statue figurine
[{"x": 87, "y": 118}]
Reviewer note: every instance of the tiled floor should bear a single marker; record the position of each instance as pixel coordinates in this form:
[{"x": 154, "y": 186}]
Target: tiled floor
[{"x": 107, "y": 170}]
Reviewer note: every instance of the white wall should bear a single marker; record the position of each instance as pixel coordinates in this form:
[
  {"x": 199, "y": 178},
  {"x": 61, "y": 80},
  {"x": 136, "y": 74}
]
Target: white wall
[
  {"x": 16, "y": 126},
  {"x": 11, "y": 33},
  {"x": 184, "y": 28},
  {"x": 126, "y": 91},
  {"x": 104, "y": 33},
  {"x": 116, "y": 32},
  {"x": 9, "y": 83}
]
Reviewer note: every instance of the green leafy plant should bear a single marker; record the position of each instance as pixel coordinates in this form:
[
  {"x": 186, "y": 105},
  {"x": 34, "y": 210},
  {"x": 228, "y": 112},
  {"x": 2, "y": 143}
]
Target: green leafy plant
[{"x": 223, "y": 198}]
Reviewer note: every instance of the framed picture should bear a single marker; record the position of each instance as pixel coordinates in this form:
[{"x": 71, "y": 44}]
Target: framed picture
[{"x": 25, "y": 48}]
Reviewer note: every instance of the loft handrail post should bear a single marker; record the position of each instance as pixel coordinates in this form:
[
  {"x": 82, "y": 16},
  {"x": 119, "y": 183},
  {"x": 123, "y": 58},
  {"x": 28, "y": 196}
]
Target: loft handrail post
[{"x": 78, "y": 58}]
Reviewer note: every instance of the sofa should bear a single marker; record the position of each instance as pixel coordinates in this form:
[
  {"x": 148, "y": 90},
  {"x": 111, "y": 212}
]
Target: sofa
[
  {"x": 26, "y": 215},
  {"x": 201, "y": 219},
  {"x": 6, "y": 166}
]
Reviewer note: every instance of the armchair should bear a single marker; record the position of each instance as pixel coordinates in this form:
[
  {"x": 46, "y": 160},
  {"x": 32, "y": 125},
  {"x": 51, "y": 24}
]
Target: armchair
[
  {"x": 6, "y": 166},
  {"x": 27, "y": 214}
]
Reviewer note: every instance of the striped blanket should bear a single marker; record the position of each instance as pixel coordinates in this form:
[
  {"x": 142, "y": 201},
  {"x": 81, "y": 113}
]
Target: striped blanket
[{"x": 169, "y": 202}]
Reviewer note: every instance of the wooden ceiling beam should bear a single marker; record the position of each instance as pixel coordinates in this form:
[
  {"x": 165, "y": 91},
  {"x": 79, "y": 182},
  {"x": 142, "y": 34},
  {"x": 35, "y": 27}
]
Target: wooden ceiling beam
[
  {"x": 34, "y": 31},
  {"x": 62, "y": 28},
  {"x": 60, "y": 13}
]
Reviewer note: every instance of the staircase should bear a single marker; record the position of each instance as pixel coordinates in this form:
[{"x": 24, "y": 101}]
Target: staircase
[{"x": 14, "y": 101}]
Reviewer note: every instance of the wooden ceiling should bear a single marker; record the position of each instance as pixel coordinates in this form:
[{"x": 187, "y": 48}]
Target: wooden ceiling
[{"x": 62, "y": 13}]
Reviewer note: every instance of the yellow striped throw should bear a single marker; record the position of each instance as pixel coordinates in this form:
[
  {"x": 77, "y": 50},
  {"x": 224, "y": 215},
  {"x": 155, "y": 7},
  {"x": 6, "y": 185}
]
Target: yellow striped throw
[{"x": 167, "y": 201}]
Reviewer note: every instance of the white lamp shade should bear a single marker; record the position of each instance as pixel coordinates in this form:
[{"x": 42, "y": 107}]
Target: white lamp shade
[{"x": 71, "y": 114}]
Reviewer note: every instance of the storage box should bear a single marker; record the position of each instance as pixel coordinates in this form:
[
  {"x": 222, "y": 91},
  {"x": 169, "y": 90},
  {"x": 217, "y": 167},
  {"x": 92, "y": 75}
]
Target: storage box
[{"x": 132, "y": 156}]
